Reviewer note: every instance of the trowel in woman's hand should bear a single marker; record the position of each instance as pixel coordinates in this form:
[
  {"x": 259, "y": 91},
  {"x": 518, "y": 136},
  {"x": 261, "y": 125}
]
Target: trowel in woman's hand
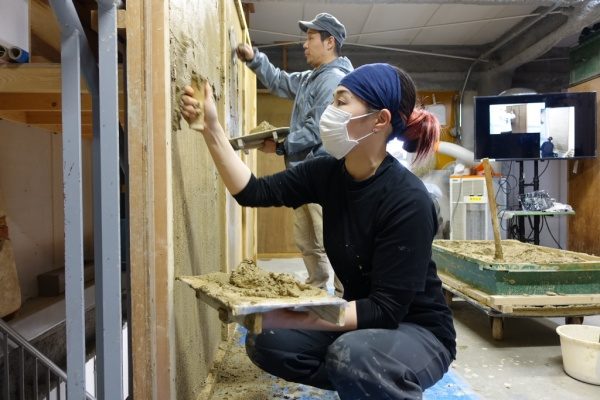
[{"x": 200, "y": 95}]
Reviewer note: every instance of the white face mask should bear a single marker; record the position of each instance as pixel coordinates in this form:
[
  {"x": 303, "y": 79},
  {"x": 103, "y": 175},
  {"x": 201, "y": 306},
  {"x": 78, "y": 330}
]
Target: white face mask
[{"x": 334, "y": 131}]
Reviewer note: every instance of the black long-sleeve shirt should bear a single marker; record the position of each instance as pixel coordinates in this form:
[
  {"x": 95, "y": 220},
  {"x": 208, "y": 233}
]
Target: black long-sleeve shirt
[{"x": 377, "y": 235}]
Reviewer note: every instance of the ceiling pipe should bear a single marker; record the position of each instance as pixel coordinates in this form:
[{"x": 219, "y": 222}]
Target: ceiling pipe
[
  {"x": 400, "y": 50},
  {"x": 415, "y": 28},
  {"x": 583, "y": 15},
  {"x": 459, "y": 23},
  {"x": 370, "y": 46},
  {"x": 484, "y": 56}
]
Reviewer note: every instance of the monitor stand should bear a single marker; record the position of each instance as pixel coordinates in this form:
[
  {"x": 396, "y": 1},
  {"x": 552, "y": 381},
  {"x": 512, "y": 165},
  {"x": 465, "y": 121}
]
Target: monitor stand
[{"x": 536, "y": 218}]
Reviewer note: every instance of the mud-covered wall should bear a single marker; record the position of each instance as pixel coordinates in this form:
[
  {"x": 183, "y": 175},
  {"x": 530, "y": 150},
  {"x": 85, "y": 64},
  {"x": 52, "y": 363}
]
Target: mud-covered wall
[{"x": 208, "y": 224}]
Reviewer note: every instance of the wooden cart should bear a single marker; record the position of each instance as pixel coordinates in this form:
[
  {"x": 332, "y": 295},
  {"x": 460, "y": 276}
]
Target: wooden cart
[{"x": 571, "y": 306}]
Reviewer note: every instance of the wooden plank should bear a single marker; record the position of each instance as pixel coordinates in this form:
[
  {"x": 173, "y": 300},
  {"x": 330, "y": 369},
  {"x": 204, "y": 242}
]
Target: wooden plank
[
  {"x": 36, "y": 78},
  {"x": 47, "y": 117},
  {"x": 266, "y": 256},
  {"x": 42, "y": 51},
  {"x": 14, "y": 116},
  {"x": 121, "y": 20},
  {"x": 86, "y": 130},
  {"x": 333, "y": 314},
  {"x": 159, "y": 128},
  {"x": 220, "y": 298},
  {"x": 150, "y": 203},
  {"x": 544, "y": 300},
  {"x": 141, "y": 219},
  {"x": 465, "y": 288},
  {"x": 45, "y": 30},
  {"x": 247, "y": 310},
  {"x": 44, "y": 102},
  {"x": 538, "y": 305}
]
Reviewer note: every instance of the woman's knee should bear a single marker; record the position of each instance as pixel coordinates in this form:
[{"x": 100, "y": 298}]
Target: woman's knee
[{"x": 346, "y": 355}]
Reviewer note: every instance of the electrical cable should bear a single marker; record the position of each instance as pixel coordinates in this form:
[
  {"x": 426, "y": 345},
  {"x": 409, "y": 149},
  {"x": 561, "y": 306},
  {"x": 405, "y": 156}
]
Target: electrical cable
[
  {"x": 545, "y": 168},
  {"x": 550, "y": 232}
]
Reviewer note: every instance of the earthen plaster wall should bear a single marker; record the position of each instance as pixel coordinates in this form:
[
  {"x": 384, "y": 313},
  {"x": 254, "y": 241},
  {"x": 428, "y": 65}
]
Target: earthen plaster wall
[{"x": 210, "y": 231}]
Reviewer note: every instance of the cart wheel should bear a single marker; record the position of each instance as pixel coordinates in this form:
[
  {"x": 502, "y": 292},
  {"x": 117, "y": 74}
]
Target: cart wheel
[
  {"x": 497, "y": 327},
  {"x": 574, "y": 320},
  {"x": 448, "y": 295}
]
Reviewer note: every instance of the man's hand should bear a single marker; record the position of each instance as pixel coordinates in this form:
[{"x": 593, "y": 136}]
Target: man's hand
[
  {"x": 245, "y": 52},
  {"x": 268, "y": 146}
]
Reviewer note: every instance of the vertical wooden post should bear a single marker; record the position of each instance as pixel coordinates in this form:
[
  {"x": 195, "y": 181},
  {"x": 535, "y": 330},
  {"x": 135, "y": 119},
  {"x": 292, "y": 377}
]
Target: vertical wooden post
[
  {"x": 149, "y": 130},
  {"x": 493, "y": 209}
]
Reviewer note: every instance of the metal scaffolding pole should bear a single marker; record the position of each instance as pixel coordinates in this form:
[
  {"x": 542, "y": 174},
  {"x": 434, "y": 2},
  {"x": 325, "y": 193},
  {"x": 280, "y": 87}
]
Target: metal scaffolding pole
[
  {"x": 107, "y": 246},
  {"x": 72, "y": 184},
  {"x": 106, "y": 197}
]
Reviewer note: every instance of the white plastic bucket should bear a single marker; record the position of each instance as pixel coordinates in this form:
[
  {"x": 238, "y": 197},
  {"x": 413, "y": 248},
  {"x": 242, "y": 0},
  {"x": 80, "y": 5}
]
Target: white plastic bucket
[{"x": 580, "y": 347}]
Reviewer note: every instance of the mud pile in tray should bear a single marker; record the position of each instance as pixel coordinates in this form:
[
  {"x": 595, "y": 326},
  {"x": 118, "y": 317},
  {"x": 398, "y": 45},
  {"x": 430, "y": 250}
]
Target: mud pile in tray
[
  {"x": 514, "y": 252},
  {"x": 250, "y": 281},
  {"x": 263, "y": 126}
]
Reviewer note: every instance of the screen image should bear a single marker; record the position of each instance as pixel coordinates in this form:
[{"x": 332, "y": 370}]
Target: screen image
[{"x": 544, "y": 126}]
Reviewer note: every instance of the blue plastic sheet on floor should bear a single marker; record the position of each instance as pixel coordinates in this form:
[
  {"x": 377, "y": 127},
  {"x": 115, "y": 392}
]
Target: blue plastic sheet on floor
[{"x": 450, "y": 387}]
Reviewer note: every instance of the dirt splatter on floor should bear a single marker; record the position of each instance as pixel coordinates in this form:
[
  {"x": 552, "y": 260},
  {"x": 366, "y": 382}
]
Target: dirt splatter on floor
[
  {"x": 239, "y": 379},
  {"x": 514, "y": 252}
]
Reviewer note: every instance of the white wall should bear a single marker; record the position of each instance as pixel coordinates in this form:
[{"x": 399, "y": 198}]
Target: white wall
[
  {"x": 14, "y": 23},
  {"x": 468, "y": 121},
  {"x": 31, "y": 185}
]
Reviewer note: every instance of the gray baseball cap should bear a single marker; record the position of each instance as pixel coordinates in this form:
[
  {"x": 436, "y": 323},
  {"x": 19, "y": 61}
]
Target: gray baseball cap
[{"x": 326, "y": 22}]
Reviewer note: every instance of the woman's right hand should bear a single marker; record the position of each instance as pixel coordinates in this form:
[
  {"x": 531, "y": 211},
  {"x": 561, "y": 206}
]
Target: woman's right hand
[{"x": 190, "y": 107}]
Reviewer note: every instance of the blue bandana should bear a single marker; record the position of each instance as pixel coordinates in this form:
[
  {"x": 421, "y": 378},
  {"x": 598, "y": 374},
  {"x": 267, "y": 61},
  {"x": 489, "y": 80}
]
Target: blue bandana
[{"x": 378, "y": 85}]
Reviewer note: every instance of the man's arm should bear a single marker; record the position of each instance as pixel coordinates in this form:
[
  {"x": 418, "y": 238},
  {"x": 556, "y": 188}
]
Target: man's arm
[
  {"x": 279, "y": 82},
  {"x": 308, "y": 136}
]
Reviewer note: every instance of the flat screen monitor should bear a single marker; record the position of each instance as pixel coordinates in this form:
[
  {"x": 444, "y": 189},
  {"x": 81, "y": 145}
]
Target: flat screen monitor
[{"x": 536, "y": 126}]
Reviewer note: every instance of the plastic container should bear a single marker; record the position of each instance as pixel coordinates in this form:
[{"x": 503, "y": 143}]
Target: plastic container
[{"x": 580, "y": 347}]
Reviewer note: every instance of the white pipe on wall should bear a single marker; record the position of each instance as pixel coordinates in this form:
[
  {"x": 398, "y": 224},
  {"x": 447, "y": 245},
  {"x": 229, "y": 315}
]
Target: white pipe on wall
[{"x": 464, "y": 156}]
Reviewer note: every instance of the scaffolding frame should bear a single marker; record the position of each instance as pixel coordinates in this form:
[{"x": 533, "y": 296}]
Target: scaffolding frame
[{"x": 102, "y": 83}]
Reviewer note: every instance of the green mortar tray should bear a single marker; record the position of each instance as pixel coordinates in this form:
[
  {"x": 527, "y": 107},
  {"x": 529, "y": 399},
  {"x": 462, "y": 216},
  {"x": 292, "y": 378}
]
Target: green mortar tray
[{"x": 555, "y": 272}]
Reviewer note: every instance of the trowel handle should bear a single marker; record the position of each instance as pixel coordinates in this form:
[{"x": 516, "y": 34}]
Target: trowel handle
[{"x": 200, "y": 95}]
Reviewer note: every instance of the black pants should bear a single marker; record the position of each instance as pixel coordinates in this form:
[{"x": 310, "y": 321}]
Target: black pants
[{"x": 363, "y": 364}]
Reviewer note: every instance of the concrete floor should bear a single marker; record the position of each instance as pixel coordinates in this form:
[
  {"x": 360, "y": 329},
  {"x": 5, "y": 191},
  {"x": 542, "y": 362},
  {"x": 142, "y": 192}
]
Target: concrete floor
[{"x": 525, "y": 365}]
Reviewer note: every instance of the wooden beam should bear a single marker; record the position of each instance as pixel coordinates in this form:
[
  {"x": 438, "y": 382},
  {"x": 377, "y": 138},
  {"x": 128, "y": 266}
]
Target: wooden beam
[
  {"x": 41, "y": 49},
  {"x": 121, "y": 19},
  {"x": 248, "y": 9},
  {"x": 36, "y": 78},
  {"x": 45, "y": 30},
  {"x": 86, "y": 130},
  {"x": 14, "y": 116},
  {"x": 148, "y": 78},
  {"x": 38, "y": 102},
  {"x": 46, "y": 117},
  {"x": 44, "y": 102}
]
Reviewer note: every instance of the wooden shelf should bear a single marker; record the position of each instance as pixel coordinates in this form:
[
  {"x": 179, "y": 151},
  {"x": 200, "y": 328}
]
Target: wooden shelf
[{"x": 30, "y": 94}]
